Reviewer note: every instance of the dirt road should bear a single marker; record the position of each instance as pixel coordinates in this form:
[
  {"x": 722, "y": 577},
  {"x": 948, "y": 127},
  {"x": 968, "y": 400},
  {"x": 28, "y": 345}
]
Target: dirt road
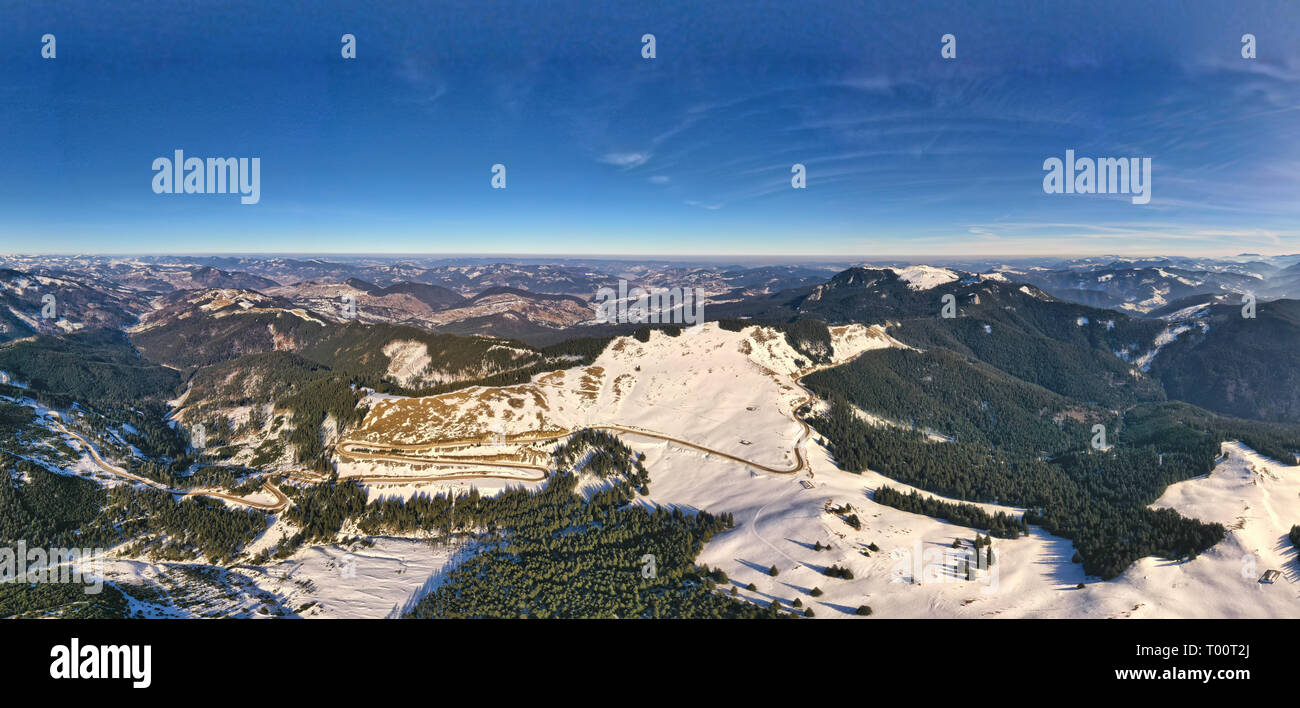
[
  {"x": 278, "y": 505},
  {"x": 349, "y": 448}
]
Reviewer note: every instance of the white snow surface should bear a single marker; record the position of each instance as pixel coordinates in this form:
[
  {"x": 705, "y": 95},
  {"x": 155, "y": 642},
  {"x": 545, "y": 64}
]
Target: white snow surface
[
  {"x": 778, "y": 522},
  {"x": 924, "y": 277}
]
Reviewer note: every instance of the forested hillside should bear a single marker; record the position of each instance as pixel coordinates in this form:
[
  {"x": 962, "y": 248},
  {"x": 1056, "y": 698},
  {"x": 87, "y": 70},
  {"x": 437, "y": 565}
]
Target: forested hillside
[
  {"x": 105, "y": 377},
  {"x": 1246, "y": 367},
  {"x": 1096, "y": 498},
  {"x": 559, "y": 556},
  {"x": 97, "y": 367},
  {"x": 1067, "y": 348},
  {"x": 965, "y": 400}
]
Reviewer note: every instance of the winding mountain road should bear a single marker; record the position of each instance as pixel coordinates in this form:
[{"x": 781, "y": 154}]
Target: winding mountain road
[
  {"x": 277, "y": 506},
  {"x": 353, "y": 449}
]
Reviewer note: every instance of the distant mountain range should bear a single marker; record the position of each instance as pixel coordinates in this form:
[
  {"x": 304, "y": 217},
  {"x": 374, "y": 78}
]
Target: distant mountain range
[{"x": 1108, "y": 330}]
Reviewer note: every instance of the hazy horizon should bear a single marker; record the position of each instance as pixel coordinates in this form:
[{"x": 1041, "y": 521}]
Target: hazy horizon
[{"x": 757, "y": 258}]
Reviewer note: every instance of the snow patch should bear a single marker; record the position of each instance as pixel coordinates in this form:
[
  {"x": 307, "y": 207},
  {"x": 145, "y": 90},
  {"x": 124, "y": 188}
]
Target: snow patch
[{"x": 923, "y": 277}]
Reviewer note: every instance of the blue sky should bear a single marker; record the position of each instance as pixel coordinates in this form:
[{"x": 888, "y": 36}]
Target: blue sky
[{"x": 686, "y": 154}]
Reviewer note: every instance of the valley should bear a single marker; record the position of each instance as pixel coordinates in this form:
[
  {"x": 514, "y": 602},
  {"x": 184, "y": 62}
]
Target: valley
[{"x": 300, "y": 461}]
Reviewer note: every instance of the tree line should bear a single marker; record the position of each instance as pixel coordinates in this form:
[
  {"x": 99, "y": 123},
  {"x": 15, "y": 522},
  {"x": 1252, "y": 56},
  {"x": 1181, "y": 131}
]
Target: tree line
[
  {"x": 1097, "y": 499},
  {"x": 1001, "y": 524}
]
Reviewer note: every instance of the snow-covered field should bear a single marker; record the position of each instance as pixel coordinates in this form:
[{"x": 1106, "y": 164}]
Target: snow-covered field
[
  {"x": 914, "y": 574},
  {"x": 383, "y": 577},
  {"x": 717, "y": 388},
  {"x": 383, "y": 580}
]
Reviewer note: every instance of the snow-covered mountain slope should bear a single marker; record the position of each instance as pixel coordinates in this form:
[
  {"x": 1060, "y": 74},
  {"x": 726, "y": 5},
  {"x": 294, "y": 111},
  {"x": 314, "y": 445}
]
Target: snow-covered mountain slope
[
  {"x": 923, "y": 277},
  {"x": 1137, "y": 288},
  {"x": 915, "y": 572},
  {"x": 731, "y": 391}
]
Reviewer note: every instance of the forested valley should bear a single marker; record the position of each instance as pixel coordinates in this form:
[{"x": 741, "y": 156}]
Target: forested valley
[{"x": 1096, "y": 498}]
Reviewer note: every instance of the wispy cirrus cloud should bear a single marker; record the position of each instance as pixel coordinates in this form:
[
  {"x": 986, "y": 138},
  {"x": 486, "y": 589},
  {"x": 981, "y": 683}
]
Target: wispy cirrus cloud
[
  {"x": 425, "y": 83},
  {"x": 712, "y": 206},
  {"x": 625, "y": 160}
]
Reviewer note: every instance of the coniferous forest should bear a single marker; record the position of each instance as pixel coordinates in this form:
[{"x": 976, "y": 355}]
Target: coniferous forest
[
  {"x": 1000, "y": 524},
  {"x": 554, "y": 554},
  {"x": 1097, "y": 498}
]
